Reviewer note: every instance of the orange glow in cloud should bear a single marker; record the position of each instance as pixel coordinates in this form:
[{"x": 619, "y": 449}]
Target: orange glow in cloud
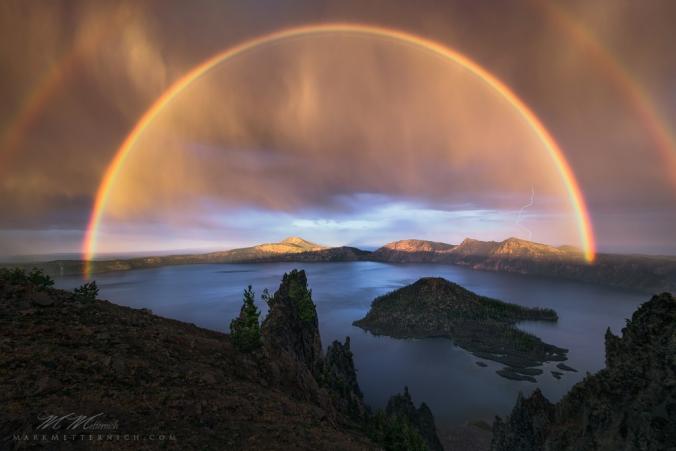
[{"x": 657, "y": 127}]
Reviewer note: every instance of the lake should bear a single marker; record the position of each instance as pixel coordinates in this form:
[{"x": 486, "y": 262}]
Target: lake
[{"x": 446, "y": 377}]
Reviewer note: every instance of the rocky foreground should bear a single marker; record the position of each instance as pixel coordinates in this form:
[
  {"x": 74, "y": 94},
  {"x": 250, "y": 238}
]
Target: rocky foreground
[
  {"x": 629, "y": 405},
  {"x": 435, "y": 307},
  {"x": 79, "y": 374}
]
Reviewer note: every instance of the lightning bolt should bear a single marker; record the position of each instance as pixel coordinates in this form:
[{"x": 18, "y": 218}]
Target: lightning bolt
[{"x": 519, "y": 216}]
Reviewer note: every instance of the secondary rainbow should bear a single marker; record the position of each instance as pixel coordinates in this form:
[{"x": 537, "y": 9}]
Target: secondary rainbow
[
  {"x": 574, "y": 193},
  {"x": 653, "y": 122},
  {"x": 48, "y": 86}
]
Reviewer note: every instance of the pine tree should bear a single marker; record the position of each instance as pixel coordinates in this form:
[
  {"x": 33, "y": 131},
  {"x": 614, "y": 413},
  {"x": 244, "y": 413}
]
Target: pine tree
[
  {"x": 302, "y": 296},
  {"x": 245, "y": 331}
]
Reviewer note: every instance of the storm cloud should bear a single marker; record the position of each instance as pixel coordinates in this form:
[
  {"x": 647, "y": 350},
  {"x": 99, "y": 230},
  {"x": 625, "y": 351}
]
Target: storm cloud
[{"x": 297, "y": 133}]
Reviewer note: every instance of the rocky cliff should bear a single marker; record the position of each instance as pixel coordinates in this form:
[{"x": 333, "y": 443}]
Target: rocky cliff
[
  {"x": 340, "y": 376},
  {"x": 629, "y": 405},
  {"x": 291, "y": 326},
  {"x": 411, "y": 251},
  {"x": 291, "y": 332}
]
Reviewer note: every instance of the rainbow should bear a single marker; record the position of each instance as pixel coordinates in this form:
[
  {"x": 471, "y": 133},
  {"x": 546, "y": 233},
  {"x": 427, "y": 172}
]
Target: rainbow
[{"x": 575, "y": 197}]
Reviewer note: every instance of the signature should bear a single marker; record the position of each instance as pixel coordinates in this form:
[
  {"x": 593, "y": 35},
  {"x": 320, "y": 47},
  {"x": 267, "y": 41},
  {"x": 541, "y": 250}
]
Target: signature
[{"x": 73, "y": 421}]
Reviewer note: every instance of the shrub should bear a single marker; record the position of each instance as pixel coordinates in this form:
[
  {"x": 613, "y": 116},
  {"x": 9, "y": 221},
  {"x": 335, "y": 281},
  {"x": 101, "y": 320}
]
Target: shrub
[
  {"x": 18, "y": 276},
  {"x": 86, "y": 292},
  {"x": 39, "y": 279}
]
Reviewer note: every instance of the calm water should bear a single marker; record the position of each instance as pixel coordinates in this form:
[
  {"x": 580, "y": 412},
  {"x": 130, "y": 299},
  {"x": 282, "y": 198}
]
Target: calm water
[{"x": 444, "y": 376}]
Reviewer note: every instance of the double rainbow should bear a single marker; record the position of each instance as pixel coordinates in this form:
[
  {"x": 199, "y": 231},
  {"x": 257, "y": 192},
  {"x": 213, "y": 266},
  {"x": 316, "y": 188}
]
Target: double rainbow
[{"x": 114, "y": 168}]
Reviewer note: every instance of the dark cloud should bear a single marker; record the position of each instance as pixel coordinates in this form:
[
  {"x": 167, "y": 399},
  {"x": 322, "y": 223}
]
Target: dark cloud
[{"x": 281, "y": 132}]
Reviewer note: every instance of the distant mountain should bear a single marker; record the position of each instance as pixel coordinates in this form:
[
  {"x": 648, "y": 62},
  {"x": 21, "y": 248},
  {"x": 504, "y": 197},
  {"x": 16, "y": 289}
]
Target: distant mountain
[
  {"x": 277, "y": 252},
  {"x": 471, "y": 248},
  {"x": 629, "y": 405},
  {"x": 330, "y": 254},
  {"x": 435, "y": 307},
  {"x": 516, "y": 248},
  {"x": 292, "y": 249},
  {"x": 291, "y": 245},
  {"x": 418, "y": 246},
  {"x": 413, "y": 251},
  {"x": 636, "y": 272}
]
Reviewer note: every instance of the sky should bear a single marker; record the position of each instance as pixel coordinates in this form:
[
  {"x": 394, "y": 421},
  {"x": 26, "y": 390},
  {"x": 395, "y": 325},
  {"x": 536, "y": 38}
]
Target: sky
[{"x": 336, "y": 137}]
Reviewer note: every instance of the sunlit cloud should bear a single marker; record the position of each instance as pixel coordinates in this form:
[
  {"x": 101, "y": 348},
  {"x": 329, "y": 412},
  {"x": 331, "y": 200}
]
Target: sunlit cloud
[{"x": 364, "y": 220}]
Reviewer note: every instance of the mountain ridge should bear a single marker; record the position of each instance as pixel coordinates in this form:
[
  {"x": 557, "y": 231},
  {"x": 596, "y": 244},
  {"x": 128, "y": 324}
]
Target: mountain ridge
[
  {"x": 512, "y": 255},
  {"x": 647, "y": 274}
]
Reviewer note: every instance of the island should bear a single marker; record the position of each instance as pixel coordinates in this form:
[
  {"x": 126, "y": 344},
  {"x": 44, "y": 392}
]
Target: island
[{"x": 435, "y": 307}]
